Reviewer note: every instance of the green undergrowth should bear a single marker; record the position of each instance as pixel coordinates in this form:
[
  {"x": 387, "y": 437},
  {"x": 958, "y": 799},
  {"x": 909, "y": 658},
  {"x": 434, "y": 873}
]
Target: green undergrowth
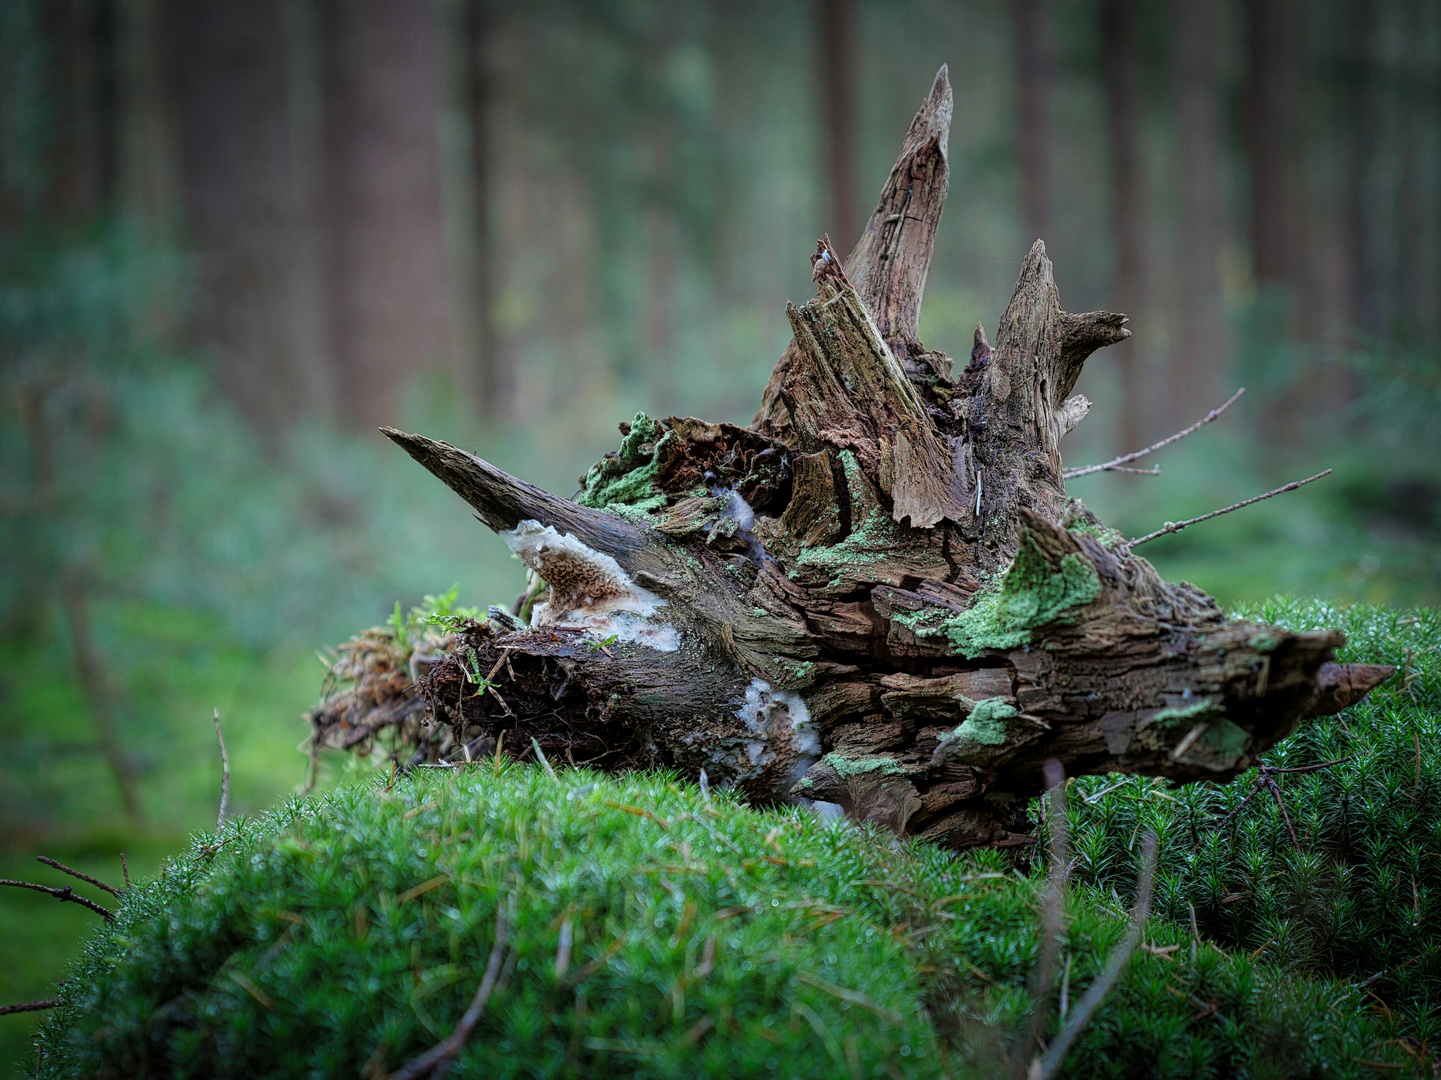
[
  {"x": 345, "y": 934},
  {"x": 1358, "y": 895}
]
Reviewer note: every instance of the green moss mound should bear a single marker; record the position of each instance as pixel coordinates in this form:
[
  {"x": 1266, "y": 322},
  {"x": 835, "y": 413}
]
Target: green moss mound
[{"x": 344, "y": 935}]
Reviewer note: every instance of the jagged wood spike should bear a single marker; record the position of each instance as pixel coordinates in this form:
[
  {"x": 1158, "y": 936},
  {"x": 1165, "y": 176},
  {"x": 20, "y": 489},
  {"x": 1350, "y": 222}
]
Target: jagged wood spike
[
  {"x": 850, "y": 391},
  {"x": 890, "y": 262},
  {"x": 503, "y": 501}
]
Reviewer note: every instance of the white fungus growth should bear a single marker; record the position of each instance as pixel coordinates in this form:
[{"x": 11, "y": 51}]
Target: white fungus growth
[
  {"x": 780, "y": 728},
  {"x": 588, "y": 589}
]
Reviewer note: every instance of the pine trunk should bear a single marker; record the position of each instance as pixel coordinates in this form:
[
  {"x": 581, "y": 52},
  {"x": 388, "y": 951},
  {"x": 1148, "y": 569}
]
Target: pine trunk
[{"x": 877, "y": 596}]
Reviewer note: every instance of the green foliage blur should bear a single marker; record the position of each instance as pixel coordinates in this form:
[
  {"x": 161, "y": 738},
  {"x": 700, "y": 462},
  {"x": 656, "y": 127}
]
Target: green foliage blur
[{"x": 649, "y": 930}]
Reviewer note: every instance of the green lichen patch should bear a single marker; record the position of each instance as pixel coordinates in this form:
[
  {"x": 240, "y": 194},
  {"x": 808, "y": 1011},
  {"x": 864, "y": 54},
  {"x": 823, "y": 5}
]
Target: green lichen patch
[
  {"x": 1107, "y": 537},
  {"x": 628, "y": 478},
  {"x": 1184, "y": 715},
  {"x": 846, "y": 767},
  {"x": 987, "y": 723},
  {"x": 987, "y": 726},
  {"x": 1031, "y": 595},
  {"x": 873, "y": 538}
]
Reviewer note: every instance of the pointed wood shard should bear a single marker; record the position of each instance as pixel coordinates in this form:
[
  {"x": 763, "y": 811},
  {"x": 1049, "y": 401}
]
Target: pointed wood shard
[
  {"x": 889, "y": 264},
  {"x": 502, "y": 501},
  {"x": 848, "y": 392}
]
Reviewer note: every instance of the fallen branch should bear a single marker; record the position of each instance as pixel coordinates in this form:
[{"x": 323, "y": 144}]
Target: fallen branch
[
  {"x": 1050, "y": 1065},
  {"x": 1177, "y": 526},
  {"x": 1053, "y": 910},
  {"x": 65, "y": 894},
  {"x": 224, "y": 774},
  {"x": 111, "y": 889},
  {"x": 29, "y": 1006},
  {"x": 437, "y": 1060},
  {"x": 1114, "y": 465}
]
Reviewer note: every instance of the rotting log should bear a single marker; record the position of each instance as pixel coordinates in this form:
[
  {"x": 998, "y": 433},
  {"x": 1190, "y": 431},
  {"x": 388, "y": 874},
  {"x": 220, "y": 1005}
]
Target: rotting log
[{"x": 878, "y": 595}]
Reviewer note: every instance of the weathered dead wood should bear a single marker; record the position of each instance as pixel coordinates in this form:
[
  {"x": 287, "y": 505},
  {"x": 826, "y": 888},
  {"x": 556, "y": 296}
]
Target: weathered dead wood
[
  {"x": 889, "y": 263},
  {"x": 879, "y": 596}
]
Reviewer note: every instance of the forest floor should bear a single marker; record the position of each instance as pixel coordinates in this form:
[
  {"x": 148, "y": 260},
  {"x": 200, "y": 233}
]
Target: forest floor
[{"x": 1359, "y": 824}]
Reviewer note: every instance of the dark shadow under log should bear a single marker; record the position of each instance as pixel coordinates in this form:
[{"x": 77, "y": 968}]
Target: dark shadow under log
[{"x": 879, "y": 596}]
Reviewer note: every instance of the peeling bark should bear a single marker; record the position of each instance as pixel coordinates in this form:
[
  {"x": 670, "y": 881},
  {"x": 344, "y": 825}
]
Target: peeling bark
[{"x": 879, "y": 596}]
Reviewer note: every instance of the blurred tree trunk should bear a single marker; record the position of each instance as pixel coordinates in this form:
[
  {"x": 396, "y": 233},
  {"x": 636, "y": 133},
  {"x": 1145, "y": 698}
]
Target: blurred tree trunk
[
  {"x": 147, "y": 147},
  {"x": 1360, "y": 298},
  {"x": 491, "y": 380},
  {"x": 1271, "y": 140},
  {"x": 1035, "y": 84},
  {"x": 388, "y": 286},
  {"x": 1410, "y": 268},
  {"x": 1286, "y": 261},
  {"x": 837, "y": 78},
  {"x": 1128, "y": 207},
  {"x": 83, "y": 169},
  {"x": 1198, "y": 348},
  {"x": 246, "y": 207}
]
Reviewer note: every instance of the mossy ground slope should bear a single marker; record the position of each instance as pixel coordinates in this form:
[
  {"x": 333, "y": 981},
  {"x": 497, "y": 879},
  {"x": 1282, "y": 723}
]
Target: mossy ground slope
[{"x": 341, "y": 936}]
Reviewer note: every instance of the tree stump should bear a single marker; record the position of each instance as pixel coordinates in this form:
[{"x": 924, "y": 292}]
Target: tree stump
[{"x": 878, "y": 595}]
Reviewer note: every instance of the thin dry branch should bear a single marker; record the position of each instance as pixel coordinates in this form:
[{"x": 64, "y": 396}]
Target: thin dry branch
[
  {"x": 1177, "y": 526},
  {"x": 224, "y": 774},
  {"x": 125, "y": 869},
  {"x": 437, "y": 1060},
  {"x": 1047, "y": 1067},
  {"x": 64, "y": 894},
  {"x": 111, "y": 889},
  {"x": 1053, "y": 910},
  {"x": 1114, "y": 465},
  {"x": 29, "y": 1006}
]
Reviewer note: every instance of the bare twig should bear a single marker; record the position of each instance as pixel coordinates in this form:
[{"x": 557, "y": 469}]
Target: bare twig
[
  {"x": 29, "y": 1006},
  {"x": 111, "y": 889},
  {"x": 1135, "y": 472},
  {"x": 1053, "y": 910},
  {"x": 224, "y": 774},
  {"x": 1266, "y": 781},
  {"x": 437, "y": 1060},
  {"x": 1050, "y": 1064},
  {"x": 1114, "y": 465},
  {"x": 66, "y": 893},
  {"x": 125, "y": 869},
  {"x": 1177, "y": 526}
]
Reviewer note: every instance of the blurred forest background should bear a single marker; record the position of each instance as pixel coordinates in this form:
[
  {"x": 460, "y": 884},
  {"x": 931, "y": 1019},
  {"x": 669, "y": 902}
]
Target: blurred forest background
[{"x": 235, "y": 237}]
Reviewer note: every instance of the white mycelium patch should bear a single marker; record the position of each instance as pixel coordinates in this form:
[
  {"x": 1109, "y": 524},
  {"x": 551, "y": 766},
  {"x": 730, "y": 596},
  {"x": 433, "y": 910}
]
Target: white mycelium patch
[
  {"x": 588, "y": 589},
  {"x": 781, "y": 735},
  {"x": 738, "y": 510}
]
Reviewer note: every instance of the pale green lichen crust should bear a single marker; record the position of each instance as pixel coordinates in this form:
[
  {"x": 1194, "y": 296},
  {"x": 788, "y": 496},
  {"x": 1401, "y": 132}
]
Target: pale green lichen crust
[
  {"x": 629, "y": 478},
  {"x": 874, "y": 538},
  {"x": 1106, "y": 536},
  {"x": 845, "y": 766},
  {"x": 1031, "y": 595},
  {"x": 1176, "y": 716}
]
